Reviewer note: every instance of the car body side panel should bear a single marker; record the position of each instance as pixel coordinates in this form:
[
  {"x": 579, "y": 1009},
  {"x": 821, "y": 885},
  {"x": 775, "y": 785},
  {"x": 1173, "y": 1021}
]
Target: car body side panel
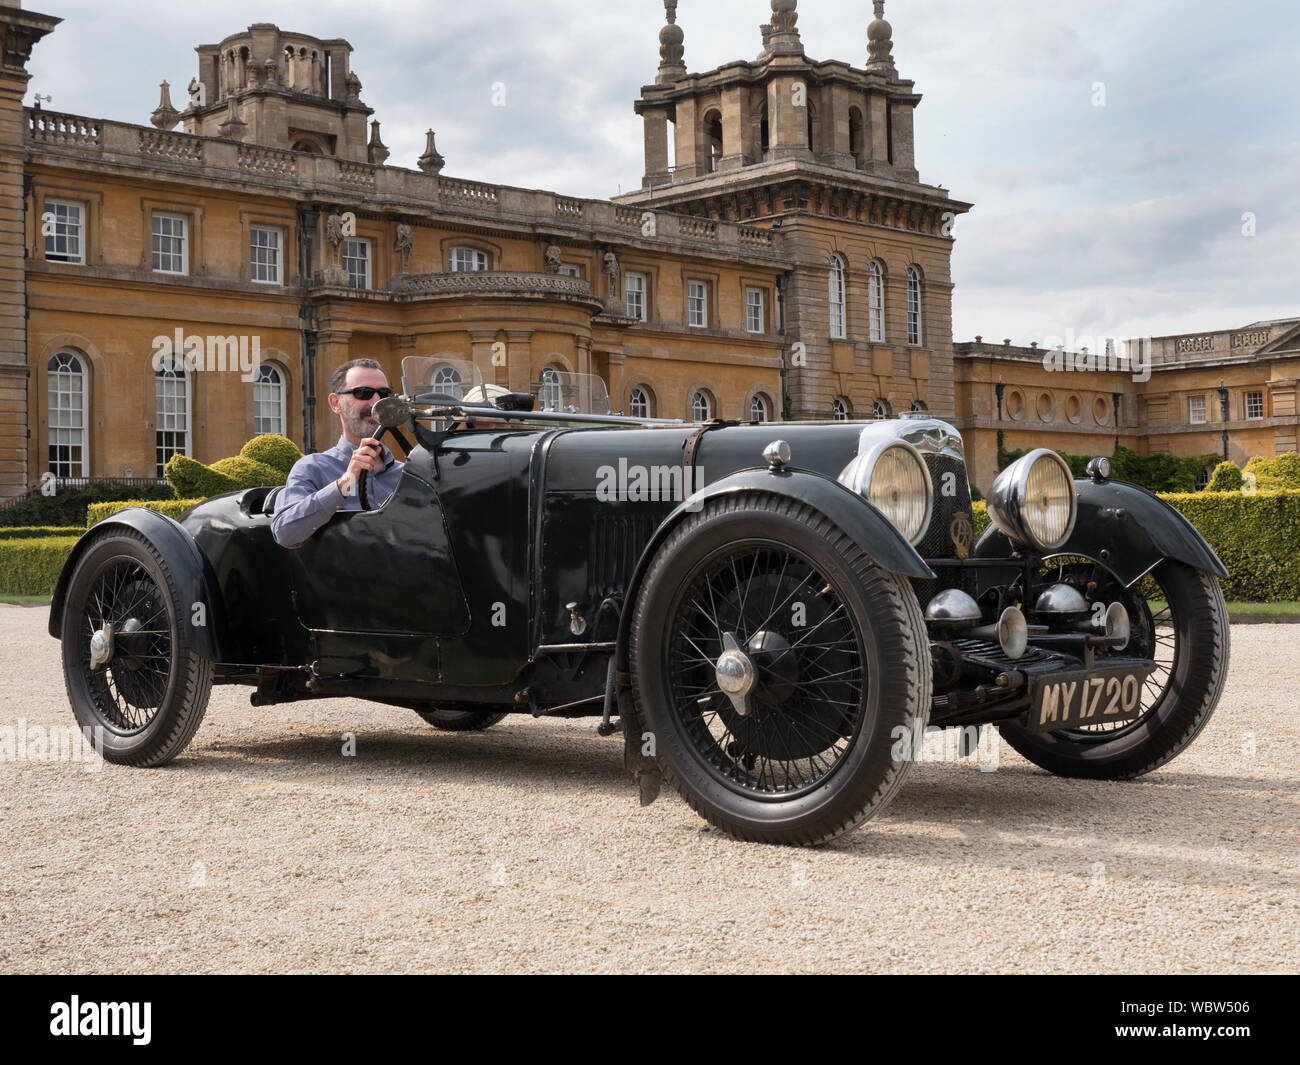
[{"x": 1126, "y": 529}]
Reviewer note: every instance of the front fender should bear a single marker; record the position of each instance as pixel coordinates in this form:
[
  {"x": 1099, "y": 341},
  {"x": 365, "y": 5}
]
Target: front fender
[
  {"x": 1126, "y": 529},
  {"x": 186, "y": 563},
  {"x": 869, "y": 528}
]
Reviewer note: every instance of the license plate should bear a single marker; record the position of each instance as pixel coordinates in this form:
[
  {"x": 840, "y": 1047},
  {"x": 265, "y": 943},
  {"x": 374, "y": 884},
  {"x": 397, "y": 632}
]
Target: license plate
[{"x": 1087, "y": 697}]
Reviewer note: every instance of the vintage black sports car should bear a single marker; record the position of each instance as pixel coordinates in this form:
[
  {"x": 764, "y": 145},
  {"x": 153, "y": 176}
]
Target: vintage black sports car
[{"x": 764, "y": 609}]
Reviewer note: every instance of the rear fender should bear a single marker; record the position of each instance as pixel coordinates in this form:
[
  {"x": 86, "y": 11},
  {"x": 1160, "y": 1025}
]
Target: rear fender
[{"x": 188, "y": 568}]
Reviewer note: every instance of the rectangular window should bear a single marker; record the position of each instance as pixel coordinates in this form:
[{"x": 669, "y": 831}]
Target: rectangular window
[
  {"x": 62, "y": 225},
  {"x": 170, "y": 244},
  {"x": 1254, "y": 405},
  {"x": 463, "y": 259},
  {"x": 356, "y": 261},
  {"x": 171, "y": 418},
  {"x": 570, "y": 270},
  {"x": 697, "y": 303},
  {"x": 754, "y": 316},
  {"x": 1196, "y": 410},
  {"x": 264, "y": 255},
  {"x": 634, "y": 290}
]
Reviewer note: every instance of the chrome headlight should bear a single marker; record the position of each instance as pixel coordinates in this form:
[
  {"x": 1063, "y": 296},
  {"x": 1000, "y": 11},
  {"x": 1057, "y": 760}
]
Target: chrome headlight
[
  {"x": 893, "y": 477},
  {"x": 1034, "y": 502}
]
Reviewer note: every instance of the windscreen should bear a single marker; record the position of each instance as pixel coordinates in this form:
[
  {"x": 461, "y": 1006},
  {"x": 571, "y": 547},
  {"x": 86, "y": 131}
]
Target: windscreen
[
  {"x": 435, "y": 378},
  {"x": 572, "y": 393}
]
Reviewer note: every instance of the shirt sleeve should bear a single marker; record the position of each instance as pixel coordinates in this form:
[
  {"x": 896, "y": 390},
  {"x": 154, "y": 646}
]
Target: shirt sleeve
[{"x": 302, "y": 507}]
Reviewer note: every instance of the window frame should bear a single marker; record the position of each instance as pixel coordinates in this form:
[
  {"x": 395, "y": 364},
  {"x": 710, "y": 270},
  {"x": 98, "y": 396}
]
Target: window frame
[
  {"x": 185, "y": 221},
  {"x": 644, "y": 315},
  {"x": 760, "y": 306},
  {"x": 1192, "y": 419},
  {"x": 1246, "y": 398},
  {"x": 631, "y": 402},
  {"x": 253, "y": 229},
  {"x": 841, "y": 410},
  {"x": 83, "y": 371},
  {"x": 692, "y": 299},
  {"x": 84, "y": 211},
  {"x": 837, "y": 297},
  {"x": 915, "y": 308},
  {"x": 368, "y": 244},
  {"x": 479, "y": 254},
  {"x": 876, "y": 301},
  {"x": 700, "y": 393},
  {"x": 173, "y": 364},
  {"x": 760, "y": 399},
  {"x": 282, "y": 414}
]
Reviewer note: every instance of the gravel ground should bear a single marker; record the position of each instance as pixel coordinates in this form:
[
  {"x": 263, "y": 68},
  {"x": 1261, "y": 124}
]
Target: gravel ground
[{"x": 264, "y": 849}]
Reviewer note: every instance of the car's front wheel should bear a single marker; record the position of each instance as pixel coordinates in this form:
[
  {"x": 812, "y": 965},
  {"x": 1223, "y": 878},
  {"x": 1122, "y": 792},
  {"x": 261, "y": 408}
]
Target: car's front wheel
[
  {"x": 775, "y": 667},
  {"x": 127, "y": 664}
]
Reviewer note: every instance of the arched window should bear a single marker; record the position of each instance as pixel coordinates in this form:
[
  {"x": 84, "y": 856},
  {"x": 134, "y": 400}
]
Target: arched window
[
  {"x": 448, "y": 381},
  {"x": 701, "y": 407},
  {"x": 919, "y": 405},
  {"x": 840, "y": 409},
  {"x": 876, "y": 299},
  {"x": 880, "y": 408},
  {"x": 268, "y": 401},
  {"x": 837, "y": 276},
  {"x": 638, "y": 403},
  {"x": 913, "y": 305},
  {"x": 171, "y": 412},
  {"x": 551, "y": 394},
  {"x": 713, "y": 134},
  {"x": 758, "y": 408},
  {"x": 66, "y": 388}
]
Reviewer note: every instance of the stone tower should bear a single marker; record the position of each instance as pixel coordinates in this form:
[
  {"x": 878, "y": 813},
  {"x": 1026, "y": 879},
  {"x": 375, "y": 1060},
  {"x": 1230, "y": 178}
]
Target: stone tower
[
  {"x": 269, "y": 87},
  {"x": 824, "y": 150}
]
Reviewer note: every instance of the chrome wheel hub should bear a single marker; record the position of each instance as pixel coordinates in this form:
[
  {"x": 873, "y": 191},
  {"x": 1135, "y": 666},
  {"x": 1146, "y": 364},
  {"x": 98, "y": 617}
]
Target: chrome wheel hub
[
  {"x": 736, "y": 674},
  {"x": 101, "y": 647}
]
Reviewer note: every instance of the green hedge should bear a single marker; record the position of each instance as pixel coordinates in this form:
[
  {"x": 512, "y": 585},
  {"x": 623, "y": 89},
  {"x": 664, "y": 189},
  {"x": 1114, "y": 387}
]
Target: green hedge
[
  {"x": 31, "y": 566},
  {"x": 173, "y": 508},
  {"x": 1155, "y": 473},
  {"x": 31, "y": 532},
  {"x": 67, "y": 507},
  {"x": 1257, "y": 536}
]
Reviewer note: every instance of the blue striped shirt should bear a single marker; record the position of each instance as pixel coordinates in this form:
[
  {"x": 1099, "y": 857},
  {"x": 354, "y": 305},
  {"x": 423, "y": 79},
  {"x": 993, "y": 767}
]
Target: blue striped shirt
[{"x": 311, "y": 497}]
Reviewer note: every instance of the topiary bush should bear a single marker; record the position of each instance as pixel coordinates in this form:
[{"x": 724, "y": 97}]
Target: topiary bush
[
  {"x": 1226, "y": 478},
  {"x": 172, "y": 508},
  {"x": 193, "y": 480},
  {"x": 278, "y": 452}
]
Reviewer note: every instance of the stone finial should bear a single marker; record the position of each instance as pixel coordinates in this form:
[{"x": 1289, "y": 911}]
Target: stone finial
[
  {"x": 376, "y": 150},
  {"x": 233, "y": 128},
  {"x": 785, "y": 33},
  {"x": 766, "y": 31},
  {"x": 165, "y": 116},
  {"x": 272, "y": 71},
  {"x": 671, "y": 48},
  {"x": 430, "y": 162},
  {"x": 880, "y": 43},
  {"x": 352, "y": 84}
]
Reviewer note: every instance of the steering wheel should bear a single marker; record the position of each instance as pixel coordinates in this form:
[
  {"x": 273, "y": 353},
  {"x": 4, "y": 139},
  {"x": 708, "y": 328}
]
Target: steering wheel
[{"x": 362, "y": 477}]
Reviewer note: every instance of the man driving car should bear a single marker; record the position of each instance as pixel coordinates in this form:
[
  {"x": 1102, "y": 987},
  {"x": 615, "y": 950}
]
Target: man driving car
[{"x": 321, "y": 485}]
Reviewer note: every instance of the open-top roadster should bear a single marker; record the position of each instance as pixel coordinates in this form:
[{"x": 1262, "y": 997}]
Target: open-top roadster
[{"x": 764, "y": 609}]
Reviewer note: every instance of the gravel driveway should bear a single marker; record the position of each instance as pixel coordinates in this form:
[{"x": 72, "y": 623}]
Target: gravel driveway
[{"x": 264, "y": 848}]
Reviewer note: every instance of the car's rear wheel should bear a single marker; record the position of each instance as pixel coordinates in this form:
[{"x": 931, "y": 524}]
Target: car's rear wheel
[
  {"x": 127, "y": 664},
  {"x": 1187, "y": 638},
  {"x": 450, "y": 719},
  {"x": 776, "y": 667}
]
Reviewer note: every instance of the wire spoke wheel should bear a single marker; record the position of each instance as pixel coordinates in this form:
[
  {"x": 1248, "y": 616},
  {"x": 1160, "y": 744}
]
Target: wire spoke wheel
[
  {"x": 806, "y": 705},
  {"x": 774, "y": 667},
  {"x": 129, "y": 669},
  {"x": 1179, "y": 621}
]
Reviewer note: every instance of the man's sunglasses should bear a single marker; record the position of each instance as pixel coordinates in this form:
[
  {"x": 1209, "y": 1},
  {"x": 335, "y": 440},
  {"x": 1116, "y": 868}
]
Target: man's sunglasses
[{"x": 364, "y": 392}]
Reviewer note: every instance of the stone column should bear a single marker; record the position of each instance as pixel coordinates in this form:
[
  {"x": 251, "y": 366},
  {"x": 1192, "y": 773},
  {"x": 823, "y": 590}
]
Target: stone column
[
  {"x": 519, "y": 360},
  {"x": 656, "y": 148},
  {"x": 616, "y": 382},
  {"x": 582, "y": 347},
  {"x": 691, "y": 154},
  {"x": 480, "y": 345},
  {"x": 333, "y": 346},
  {"x": 735, "y": 124},
  {"x": 901, "y": 122},
  {"x": 21, "y": 457},
  {"x": 787, "y": 122}
]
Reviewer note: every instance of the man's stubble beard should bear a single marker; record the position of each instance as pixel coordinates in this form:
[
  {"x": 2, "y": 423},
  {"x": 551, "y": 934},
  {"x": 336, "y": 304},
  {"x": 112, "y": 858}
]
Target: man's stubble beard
[{"x": 358, "y": 425}]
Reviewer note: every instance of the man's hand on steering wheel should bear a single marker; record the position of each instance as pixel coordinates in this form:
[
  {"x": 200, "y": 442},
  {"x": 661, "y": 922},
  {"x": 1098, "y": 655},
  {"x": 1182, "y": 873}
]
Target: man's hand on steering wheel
[{"x": 367, "y": 458}]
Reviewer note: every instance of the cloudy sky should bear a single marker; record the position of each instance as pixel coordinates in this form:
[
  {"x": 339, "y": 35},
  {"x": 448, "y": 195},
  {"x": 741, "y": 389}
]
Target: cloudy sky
[{"x": 1111, "y": 148}]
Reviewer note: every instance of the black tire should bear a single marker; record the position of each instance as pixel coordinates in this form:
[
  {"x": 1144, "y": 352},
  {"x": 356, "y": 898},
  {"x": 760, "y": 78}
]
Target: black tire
[
  {"x": 1189, "y": 641},
  {"x": 812, "y": 758},
  {"x": 150, "y": 697},
  {"x": 456, "y": 720}
]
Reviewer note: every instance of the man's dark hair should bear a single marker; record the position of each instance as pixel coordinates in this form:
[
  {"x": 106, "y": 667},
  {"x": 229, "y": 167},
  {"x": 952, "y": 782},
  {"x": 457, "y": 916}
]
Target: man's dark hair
[{"x": 341, "y": 374}]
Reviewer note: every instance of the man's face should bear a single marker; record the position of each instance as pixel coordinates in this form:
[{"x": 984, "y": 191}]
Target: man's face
[{"x": 354, "y": 412}]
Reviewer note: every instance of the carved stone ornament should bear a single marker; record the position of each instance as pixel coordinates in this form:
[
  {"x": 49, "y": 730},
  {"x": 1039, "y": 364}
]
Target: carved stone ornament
[
  {"x": 403, "y": 244},
  {"x": 551, "y": 257}
]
